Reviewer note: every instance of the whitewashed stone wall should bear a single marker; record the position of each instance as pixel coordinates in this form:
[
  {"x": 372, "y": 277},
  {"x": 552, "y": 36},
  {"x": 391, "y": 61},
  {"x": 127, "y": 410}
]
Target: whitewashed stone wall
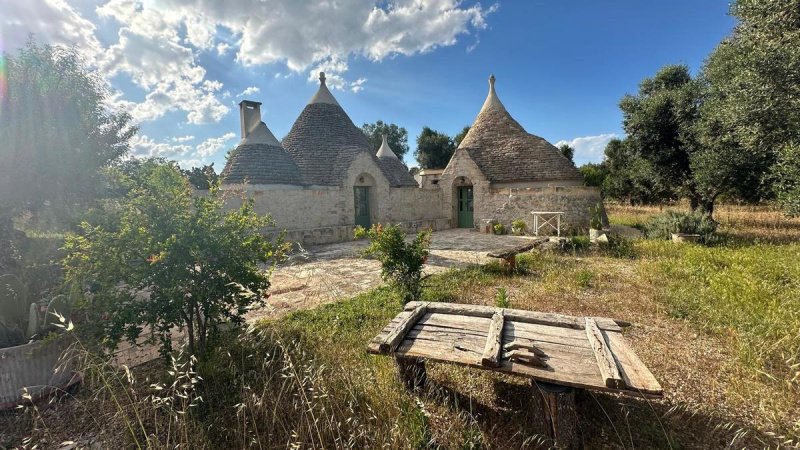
[
  {"x": 324, "y": 214},
  {"x": 506, "y": 204}
]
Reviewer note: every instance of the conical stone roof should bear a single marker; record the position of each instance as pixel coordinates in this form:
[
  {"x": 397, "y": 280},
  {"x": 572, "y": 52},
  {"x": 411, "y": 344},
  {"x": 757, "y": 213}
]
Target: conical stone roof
[
  {"x": 392, "y": 167},
  {"x": 259, "y": 158},
  {"x": 323, "y": 142},
  {"x": 505, "y": 152}
]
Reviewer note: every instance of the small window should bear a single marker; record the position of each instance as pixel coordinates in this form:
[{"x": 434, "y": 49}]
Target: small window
[{"x": 435, "y": 182}]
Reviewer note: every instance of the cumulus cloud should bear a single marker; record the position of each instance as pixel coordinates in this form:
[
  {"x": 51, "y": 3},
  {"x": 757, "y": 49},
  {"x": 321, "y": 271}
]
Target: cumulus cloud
[
  {"x": 143, "y": 146},
  {"x": 51, "y": 21},
  {"x": 249, "y": 91},
  {"x": 177, "y": 148},
  {"x": 589, "y": 148},
  {"x": 213, "y": 145}
]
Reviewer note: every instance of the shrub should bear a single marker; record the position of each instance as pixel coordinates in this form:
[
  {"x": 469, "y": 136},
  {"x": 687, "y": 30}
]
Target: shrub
[
  {"x": 576, "y": 243},
  {"x": 401, "y": 261},
  {"x": 499, "y": 228},
  {"x": 596, "y": 221},
  {"x": 617, "y": 247},
  {"x": 663, "y": 225},
  {"x": 518, "y": 226},
  {"x": 161, "y": 258},
  {"x": 501, "y": 299}
]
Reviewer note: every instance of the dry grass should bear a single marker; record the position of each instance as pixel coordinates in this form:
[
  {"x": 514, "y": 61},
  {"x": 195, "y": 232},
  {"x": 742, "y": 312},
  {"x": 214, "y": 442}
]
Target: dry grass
[{"x": 702, "y": 323}]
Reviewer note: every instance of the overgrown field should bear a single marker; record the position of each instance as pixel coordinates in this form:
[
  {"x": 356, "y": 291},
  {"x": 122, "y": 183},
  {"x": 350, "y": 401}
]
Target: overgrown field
[{"x": 717, "y": 325}]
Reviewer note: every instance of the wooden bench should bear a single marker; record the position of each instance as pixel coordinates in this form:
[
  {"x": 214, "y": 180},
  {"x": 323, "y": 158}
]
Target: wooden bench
[
  {"x": 509, "y": 254},
  {"x": 558, "y": 352}
]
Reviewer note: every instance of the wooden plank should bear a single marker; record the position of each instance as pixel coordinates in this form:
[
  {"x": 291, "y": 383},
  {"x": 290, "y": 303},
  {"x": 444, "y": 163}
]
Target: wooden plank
[
  {"x": 525, "y": 357},
  {"x": 604, "y": 356},
  {"x": 394, "y": 338},
  {"x": 519, "y": 315},
  {"x": 374, "y": 345},
  {"x": 504, "y": 253},
  {"x": 491, "y": 352},
  {"x": 524, "y": 345},
  {"x": 636, "y": 375},
  {"x": 566, "y": 336}
]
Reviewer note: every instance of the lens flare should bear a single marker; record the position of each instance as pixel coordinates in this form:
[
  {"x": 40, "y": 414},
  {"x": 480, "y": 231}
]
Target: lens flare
[{"x": 3, "y": 83}]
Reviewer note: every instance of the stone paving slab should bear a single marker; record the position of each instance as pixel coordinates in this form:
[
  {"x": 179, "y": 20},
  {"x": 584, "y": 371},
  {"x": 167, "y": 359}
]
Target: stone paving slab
[{"x": 327, "y": 273}]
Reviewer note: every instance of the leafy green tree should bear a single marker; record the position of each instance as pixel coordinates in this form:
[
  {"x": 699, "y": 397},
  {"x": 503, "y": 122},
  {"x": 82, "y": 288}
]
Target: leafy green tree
[
  {"x": 594, "y": 174},
  {"x": 397, "y": 137},
  {"x": 461, "y": 135},
  {"x": 787, "y": 179},
  {"x": 568, "y": 152},
  {"x": 202, "y": 177},
  {"x": 660, "y": 123},
  {"x": 434, "y": 149},
  {"x": 632, "y": 178},
  {"x": 55, "y": 129},
  {"x": 751, "y": 108},
  {"x": 163, "y": 258}
]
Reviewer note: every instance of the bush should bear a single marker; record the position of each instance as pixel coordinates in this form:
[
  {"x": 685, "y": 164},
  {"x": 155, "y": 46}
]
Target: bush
[
  {"x": 160, "y": 258},
  {"x": 663, "y": 225},
  {"x": 499, "y": 228},
  {"x": 617, "y": 247},
  {"x": 518, "y": 227},
  {"x": 576, "y": 243},
  {"x": 401, "y": 261}
]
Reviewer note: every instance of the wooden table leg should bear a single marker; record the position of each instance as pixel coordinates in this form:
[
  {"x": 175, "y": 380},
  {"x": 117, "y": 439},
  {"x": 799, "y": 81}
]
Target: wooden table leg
[
  {"x": 511, "y": 261},
  {"x": 560, "y": 416},
  {"x": 412, "y": 372}
]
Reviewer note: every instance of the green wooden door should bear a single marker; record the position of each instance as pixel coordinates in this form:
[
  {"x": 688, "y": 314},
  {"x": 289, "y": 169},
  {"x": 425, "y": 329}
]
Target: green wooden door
[
  {"x": 361, "y": 196},
  {"x": 465, "y": 207}
]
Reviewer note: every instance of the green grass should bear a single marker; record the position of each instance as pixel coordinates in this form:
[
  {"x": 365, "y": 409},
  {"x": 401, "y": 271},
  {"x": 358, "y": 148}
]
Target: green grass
[{"x": 751, "y": 292}]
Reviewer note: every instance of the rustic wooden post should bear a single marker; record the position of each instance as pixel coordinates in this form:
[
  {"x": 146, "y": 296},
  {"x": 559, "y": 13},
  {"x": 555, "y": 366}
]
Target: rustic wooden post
[
  {"x": 561, "y": 418},
  {"x": 412, "y": 372}
]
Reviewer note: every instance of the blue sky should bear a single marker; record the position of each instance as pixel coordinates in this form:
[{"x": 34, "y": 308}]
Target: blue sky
[{"x": 181, "y": 66}]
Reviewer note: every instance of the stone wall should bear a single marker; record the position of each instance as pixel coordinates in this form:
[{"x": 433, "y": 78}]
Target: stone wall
[
  {"x": 576, "y": 202},
  {"x": 505, "y": 203},
  {"x": 325, "y": 214}
]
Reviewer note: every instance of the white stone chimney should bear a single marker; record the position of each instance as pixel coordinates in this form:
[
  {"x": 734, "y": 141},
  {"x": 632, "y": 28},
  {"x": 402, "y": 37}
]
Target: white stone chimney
[{"x": 250, "y": 115}]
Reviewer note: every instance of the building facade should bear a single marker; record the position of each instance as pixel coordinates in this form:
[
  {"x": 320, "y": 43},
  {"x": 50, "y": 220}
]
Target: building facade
[{"x": 323, "y": 179}]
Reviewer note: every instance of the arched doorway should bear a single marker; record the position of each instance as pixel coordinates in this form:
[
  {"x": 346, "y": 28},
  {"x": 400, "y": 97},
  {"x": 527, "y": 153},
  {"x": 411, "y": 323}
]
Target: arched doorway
[
  {"x": 363, "y": 200},
  {"x": 464, "y": 202}
]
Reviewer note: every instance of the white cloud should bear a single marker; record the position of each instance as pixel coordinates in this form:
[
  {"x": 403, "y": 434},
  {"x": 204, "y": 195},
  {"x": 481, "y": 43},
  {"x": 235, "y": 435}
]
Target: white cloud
[
  {"x": 213, "y": 145},
  {"x": 50, "y": 21},
  {"x": 143, "y": 147},
  {"x": 358, "y": 85},
  {"x": 249, "y": 91},
  {"x": 176, "y": 148},
  {"x": 157, "y": 44},
  {"x": 589, "y": 148}
]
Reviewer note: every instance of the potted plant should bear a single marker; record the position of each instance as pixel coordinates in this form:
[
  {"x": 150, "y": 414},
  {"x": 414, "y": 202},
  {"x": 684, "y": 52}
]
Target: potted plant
[
  {"x": 30, "y": 346},
  {"x": 518, "y": 227},
  {"x": 596, "y": 223}
]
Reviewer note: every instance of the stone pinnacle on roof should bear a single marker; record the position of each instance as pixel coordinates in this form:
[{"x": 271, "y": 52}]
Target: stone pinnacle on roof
[
  {"x": 491, "y": 99},
  {"x": 385, "y": 151},
  {"x": 323, "y": 95}
]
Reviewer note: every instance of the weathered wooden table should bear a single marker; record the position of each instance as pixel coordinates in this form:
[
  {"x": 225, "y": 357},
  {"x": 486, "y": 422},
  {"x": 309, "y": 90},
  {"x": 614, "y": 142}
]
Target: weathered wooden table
[
  {"x": 558, "y": 352},
  {"x": 509, "y": 254}
]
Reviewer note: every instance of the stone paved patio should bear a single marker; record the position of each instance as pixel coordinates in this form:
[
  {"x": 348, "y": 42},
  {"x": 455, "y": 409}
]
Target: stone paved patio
[{"x": 328, "y": 273}]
